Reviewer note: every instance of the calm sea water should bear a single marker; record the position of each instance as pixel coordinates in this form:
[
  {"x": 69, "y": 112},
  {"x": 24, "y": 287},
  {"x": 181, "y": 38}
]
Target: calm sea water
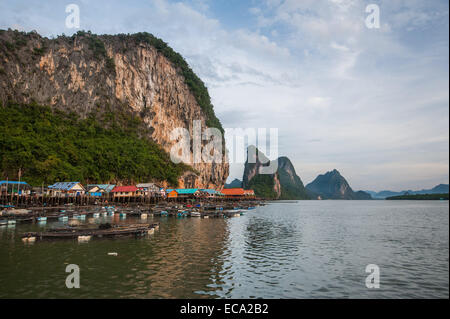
[{"x": 308, "y": 249}]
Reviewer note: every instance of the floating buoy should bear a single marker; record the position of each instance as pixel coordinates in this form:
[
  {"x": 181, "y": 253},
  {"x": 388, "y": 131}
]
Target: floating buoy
[{"x": 29, "y": 239}]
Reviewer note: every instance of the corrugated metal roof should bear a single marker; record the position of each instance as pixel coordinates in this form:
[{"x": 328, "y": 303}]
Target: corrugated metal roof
[
  {"x": 106, "y": 187},
  {"x": 183, "y": 191},
  {"x": 65, "y": 186},
  {"x": 233, "y": 191},
  {"x": 186, "y": 190},
  {"x": 13, "y": 182},
  {"x": 211, "y": 191},
  {"x": 125, "y": 189},
  {"x": 147, "y": 185}
]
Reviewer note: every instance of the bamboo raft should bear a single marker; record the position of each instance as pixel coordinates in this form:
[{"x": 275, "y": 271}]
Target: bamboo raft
[{"x": 85, "y": 234}]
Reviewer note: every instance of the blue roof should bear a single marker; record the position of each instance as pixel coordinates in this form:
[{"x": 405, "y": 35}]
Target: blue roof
[
  {"x": 13, "y": 182},
  {"x": 183, "y": 190},
  {"x": 186, "y": 190},
  {"x": 63, "y": 185},
  {"x": 106, "y": 187}
]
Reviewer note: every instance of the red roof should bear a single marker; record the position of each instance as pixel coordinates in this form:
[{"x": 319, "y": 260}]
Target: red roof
[
  {"x": 233, "y": 191},
  {"x": 125, "y": 189}
]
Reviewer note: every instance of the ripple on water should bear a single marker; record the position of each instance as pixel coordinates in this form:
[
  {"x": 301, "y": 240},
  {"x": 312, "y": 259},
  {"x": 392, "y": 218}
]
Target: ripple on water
[{"x": 311, "y": 249}]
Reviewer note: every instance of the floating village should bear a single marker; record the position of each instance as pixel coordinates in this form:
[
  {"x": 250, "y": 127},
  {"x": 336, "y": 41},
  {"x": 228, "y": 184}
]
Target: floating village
[{"x": 72, "y": 204}]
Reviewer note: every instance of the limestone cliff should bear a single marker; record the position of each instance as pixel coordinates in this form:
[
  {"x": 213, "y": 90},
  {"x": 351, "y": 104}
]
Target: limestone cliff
[
  {"x": 332, "y": 185},
  {"x": 86, "y": 73},
  {"x": 283, "y": 184}
]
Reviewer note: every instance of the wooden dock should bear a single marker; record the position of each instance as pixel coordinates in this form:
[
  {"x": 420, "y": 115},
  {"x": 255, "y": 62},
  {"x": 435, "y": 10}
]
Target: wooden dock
[{"x": 85, "y": 234}]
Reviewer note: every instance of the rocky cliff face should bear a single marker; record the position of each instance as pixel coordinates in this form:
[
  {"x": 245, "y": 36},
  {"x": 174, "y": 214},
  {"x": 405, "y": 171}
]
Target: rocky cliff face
[
  {"x": 291, "y": 185},
  {"x": 254, "y": 162},
  {"x": 88, "y": 73},
  {"x": 333, "y": 185},
  {"x": 283, "y": 184}
]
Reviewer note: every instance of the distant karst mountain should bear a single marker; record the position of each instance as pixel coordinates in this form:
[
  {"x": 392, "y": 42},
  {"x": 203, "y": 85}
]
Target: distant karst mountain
[
  {"x": 236, "y": 183},
  {"x": 333, "y": 185},
  {"x": 439, "y": 189},
  {"x": 282, "y": 184}
]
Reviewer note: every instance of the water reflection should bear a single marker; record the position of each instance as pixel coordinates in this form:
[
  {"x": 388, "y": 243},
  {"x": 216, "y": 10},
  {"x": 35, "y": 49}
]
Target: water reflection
[{"x": 313, "y": 249}]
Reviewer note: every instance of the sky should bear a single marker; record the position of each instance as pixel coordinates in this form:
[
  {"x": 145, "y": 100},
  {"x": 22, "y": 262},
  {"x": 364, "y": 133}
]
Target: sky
[{"x": 370, "y": 102}]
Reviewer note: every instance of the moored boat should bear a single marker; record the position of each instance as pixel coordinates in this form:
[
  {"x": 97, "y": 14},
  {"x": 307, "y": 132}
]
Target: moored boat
[
  {"x": 195, "y": 214},
  {"x": 164, "y": 213}
]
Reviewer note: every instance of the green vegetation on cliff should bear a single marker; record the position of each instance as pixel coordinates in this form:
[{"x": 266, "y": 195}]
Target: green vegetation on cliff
[
  {"x": 263, "y": 186},
  {"x": 291, "y": 189},
  {"x": 50, "y": 145}
]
